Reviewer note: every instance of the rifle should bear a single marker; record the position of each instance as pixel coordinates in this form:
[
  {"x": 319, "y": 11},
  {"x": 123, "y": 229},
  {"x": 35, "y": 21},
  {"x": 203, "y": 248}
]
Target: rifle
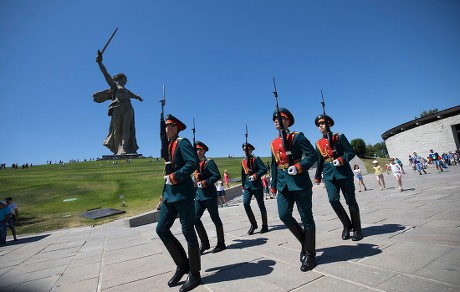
[
  {"x": 163, "y": 138},
  {"x": 194, "y": 147},
  {"x": 248, "y": 159},
  {"x": 328, "y": 129},
  {"x": 107, "y": 43},
  {"x": 282, "y": 131}
]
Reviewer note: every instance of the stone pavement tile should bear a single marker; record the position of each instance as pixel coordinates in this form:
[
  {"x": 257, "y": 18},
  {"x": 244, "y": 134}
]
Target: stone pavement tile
[
  {"x": 405, "y": 257},
  {"x": 409, "y": 283},
  {"x": 443, "y": 223},
  {"x": 430, "y": 235},
  {"x": 47, "y": 272},
  {"x": 80, "y": 286},
  {"x": 82, "y": 261},
  {"x": 56, "y": 263},
  {"x": 72, "y": 275},
  {"x": 262, "y": 274},
  {"x": 329, "y": 283},
  {"x": 13, "y": 278},
  {"x": 118, "y": 273},
  {"x": 357, "y": 273},
  {"x": 446, "y": 268},
  {"x": 39, "y": 285},
  {"x": 126, "y": 254}
]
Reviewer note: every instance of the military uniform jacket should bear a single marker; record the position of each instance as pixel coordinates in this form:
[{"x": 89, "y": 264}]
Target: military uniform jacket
[
  {"x": 257, "y": 170},
  {"x": 208, "y": 174},
  {"x": 304, "y": 156},
  {"x": 345, "y": 153},
  {"x": 184, "y": 162}
]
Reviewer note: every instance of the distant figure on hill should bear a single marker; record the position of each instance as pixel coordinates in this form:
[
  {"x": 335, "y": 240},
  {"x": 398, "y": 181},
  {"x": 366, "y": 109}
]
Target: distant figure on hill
[{"x": 122, "y": 133}]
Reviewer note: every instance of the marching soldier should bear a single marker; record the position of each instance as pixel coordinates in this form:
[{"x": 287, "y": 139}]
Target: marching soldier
[
  {"x": 294, "y": 185},
  {"x": 251, "y": 174},
  {"x": 206, "y": 198},
  {"x": 178, "y": 199},
  {"x": 333, "y": 161}
]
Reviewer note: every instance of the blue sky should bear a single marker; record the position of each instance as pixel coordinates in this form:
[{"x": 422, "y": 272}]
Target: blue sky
[{"x": 379, "y": 64}]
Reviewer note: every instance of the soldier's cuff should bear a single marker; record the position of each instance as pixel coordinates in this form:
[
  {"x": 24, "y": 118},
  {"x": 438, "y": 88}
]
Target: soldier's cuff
[
  {"x": 173, "y": 180},
  {"x": 298, "y": 167},
  {"x": 340, "y": 159},
  {"x": 273, "y": 190}
]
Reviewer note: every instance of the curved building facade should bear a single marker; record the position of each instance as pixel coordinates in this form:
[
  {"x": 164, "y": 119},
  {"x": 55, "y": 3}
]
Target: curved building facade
[{"x": 439, "y": 131}]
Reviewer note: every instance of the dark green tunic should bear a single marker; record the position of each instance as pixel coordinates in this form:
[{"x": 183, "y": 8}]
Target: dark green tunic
[
  {"x": 337, "y": 178},
  {"x": 293, "y": 188}
]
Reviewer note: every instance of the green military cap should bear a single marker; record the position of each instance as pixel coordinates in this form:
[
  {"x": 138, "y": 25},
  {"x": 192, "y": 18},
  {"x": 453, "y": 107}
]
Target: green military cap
[
  {"x": 286, "y": 114},
  {"x": 170, "y": 119},
  {"x": 249, "y": 146},
  {"x": 201, "y": 145},
  {"x": 322, "y": 118}
]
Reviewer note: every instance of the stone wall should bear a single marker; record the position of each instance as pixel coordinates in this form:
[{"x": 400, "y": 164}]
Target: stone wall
[{"x": 437, "y": 135}]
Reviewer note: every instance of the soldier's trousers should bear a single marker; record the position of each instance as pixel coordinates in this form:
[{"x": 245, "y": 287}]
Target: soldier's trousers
[
  {"x": 347, "y": 186},
  {"x": 302, "y": 198}
]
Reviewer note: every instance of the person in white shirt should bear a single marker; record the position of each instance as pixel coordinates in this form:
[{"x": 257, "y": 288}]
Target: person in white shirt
[{"x": 397, "y": 172}]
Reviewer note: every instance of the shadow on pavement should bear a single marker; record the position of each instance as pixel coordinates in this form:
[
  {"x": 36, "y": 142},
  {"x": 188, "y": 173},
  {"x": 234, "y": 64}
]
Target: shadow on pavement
[
  {"x": 28, "y": 239},
  {"x": 239, "y": 271}
]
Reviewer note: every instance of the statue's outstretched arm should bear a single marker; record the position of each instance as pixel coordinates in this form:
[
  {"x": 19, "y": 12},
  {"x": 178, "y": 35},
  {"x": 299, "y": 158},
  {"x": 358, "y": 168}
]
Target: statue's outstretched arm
[{"x": 106, "y": 74}]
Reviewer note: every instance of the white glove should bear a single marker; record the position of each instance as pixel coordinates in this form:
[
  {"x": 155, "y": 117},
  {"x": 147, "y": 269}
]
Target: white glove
[
  {"x": 199, "y": 184},
  {"x": 336, "y": 162},
  {"x": 167, "y": 180},
  {"x": 292, "y": 170},
  {"x": 251, "y": 178}
]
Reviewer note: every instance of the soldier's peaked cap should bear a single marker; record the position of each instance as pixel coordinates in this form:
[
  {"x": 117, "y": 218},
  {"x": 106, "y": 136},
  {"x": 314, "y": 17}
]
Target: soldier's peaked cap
[
  {"x": 200, "y": 144},
  {"x": 285, "y": 113},
  {"x": 322, "y": 118},
  {"x": 170, "y": 119},
  {"x": 249, "y": 146}
]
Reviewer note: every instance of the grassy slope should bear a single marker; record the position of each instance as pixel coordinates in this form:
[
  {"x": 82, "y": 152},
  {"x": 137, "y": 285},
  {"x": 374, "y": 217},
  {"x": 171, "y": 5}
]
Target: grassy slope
[{"x": 40, "y": 191}]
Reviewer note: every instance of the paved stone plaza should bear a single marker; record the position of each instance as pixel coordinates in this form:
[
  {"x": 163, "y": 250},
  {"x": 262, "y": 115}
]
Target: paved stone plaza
[{"x": 412, "y": 243}]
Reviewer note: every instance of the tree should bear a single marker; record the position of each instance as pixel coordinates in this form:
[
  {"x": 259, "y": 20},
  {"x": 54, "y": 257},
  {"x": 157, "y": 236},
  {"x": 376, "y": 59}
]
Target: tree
[
  {"x": 427, "y": 113},
  {"x": 380, "y": 149},
  {"x": 359, "y": 146}
]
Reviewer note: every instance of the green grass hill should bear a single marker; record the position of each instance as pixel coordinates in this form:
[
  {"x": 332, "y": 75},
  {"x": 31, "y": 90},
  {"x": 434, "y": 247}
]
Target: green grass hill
[{"x": 51, "y": 197}]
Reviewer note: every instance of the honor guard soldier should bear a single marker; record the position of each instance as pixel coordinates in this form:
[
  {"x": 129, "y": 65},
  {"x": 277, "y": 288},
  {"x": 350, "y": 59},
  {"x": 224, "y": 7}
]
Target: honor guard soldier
[
  {"x": 252, "y": 171},
  {"x": 334, "y": 155},
  {"x": 289, "y": 168},
  {"x": 206, "y": 198},
  {"x": 178, "y": 199}
]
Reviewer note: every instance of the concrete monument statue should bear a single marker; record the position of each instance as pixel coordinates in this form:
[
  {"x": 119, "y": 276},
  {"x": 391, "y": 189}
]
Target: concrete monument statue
[{"x": 121, "y": 139}]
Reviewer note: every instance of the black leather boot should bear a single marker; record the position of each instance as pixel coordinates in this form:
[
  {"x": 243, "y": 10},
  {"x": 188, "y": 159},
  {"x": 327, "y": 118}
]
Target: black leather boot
[
  {"x": 356, "y": 219},
  {"x": 309, "y": 261},
  {"x": 252, "y": 220},
  {"x": 194, "y": 278},
  {"x": 220, "y": 240},
  {"x": 297, "y": 230},
  {"x": 179, "y": 257},
  {"x": 264, "y": 223},
  {"x": 343, "y": 216},
  {"x": 203, "y": 238},
  {"x": 193, "y": 281}
]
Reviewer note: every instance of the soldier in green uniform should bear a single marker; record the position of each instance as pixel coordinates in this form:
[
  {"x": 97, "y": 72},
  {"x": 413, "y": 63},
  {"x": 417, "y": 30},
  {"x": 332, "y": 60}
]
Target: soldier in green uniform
[
  {"x": 333, "y": 162},
  {"x": 294, "y": 185},
  {"x": 251, "y": 174},
  {"x": 178, "y": 199},
  {"x": 206, "y": 198}
]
